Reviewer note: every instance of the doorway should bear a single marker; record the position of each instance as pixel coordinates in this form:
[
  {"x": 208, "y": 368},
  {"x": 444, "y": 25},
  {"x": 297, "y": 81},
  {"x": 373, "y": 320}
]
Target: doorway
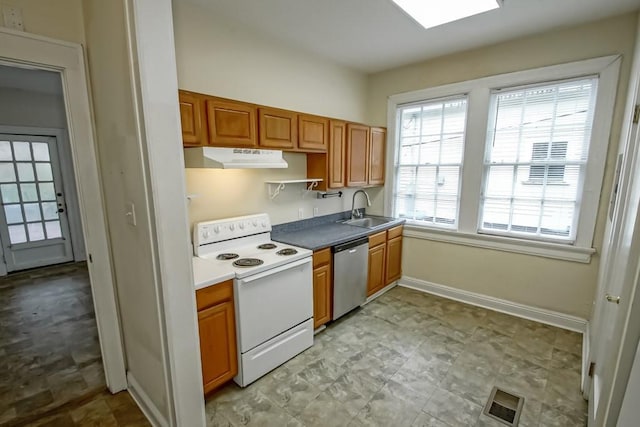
[{"x": 34, "y": 226}]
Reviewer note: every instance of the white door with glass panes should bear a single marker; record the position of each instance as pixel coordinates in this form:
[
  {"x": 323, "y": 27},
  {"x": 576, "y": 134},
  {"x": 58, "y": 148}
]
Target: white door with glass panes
[{"x": 34, "y": 229}]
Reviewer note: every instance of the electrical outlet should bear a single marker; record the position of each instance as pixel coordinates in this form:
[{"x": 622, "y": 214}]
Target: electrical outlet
[
  {"x": 315, "y": 211},
  {"x": 300, "y": 213},
  {"x": 13, "y": 17}
]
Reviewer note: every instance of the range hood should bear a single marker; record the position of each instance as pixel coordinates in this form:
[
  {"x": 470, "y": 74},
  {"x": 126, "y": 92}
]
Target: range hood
[{"x": 233, "y": 158}]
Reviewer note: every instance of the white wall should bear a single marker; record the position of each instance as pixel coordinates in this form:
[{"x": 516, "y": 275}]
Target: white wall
[
  {"x": 219, "y": 58},
  {"x": 563, "y": 286},
  {"x": 58, "y": 19},
  {"x": 124, "y": 181}
]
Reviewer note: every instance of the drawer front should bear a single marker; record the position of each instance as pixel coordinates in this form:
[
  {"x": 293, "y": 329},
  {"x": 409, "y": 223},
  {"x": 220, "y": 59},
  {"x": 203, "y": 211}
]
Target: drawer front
[
  {"x": 214, "y": 294},
  {"x": 377, "y": 239},
  {"x": 321, "y": 257},
  {"x": 394, "y": 232}
]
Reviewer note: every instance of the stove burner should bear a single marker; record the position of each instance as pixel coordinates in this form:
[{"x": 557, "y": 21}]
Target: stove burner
[
  {"x": 247, "y": 262},
  {"x": 287, "y": 251},
  {"x": 226, "y": 257},
  {"x": 267, "y": 246}
]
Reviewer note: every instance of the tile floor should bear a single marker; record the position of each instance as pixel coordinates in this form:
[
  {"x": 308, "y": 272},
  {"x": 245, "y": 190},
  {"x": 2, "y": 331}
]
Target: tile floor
[
  {"x": 411, "y": 359},
  {"x": 49, "y": 350}
]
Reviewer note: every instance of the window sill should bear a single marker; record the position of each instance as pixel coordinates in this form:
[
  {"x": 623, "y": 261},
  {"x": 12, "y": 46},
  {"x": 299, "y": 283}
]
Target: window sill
[{"x": 506, "y": 244}]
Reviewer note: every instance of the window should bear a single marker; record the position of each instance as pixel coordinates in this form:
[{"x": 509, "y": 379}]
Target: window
[
  {"x": 512, "y": 162},
  {"x": 431, "y": 143},
  {"x": 537, "y": 149}
]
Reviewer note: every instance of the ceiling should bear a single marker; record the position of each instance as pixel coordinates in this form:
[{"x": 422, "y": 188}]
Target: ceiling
[{"x": 375, "y": 35}]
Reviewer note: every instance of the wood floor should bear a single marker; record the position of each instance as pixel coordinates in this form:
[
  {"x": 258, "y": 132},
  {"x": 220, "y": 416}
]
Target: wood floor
[{"x": 50, "y": 354}]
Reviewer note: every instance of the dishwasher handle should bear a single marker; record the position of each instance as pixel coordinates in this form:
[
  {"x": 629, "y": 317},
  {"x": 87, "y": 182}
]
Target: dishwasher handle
[{"x": 350, "y": 244}]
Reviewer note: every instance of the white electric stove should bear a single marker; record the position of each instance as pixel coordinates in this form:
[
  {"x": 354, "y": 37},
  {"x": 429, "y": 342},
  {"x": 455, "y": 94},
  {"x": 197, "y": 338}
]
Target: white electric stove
[{"x": 273, "y": 290}]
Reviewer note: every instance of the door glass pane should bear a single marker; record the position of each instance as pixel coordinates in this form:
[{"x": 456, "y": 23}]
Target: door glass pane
[
  {"x": 13, "y": 214},
  {"x": 22, "y": 150},
  {"x": 36, "y": 232},
  {"x": 44, "y": 172},
  {"x": 9, "y": 193},
  {"x": 5, "y": 151},
  {"x": 25, "y": 172},
  {"x": 29, "y": 192},
  {"x": 53, "y": 229},
  {"x": 47, "y": 192},
  {"x": 7, "y": 173},
  {"x": 49, "y": 210},
  {"x": 40, "y": 151},
  {"x": 32, "y": 211},
  {"x": 17, "y": 234}
]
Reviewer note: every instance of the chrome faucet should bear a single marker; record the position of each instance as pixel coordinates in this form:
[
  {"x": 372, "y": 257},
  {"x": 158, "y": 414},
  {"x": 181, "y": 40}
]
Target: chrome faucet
[{"x": 354, "y": 212}]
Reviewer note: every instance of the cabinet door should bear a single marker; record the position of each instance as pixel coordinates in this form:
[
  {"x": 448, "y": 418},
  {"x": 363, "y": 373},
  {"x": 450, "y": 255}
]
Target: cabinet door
[
  {"x": 217, "y": 345},
  {"x": 194, "y": 128},
  {"x": 278, "y": 128},
  {"x": 377, "y": 155},
  {"x": 337, "y": 153},
  {"x": 375, "y": 280},
  {"x": 313, "y": 133},
  {"x": 321, "y": 295},
  {"x": 357, "y": 155},
  {"x": 394, "y": 260},
  {"x": 231, "y": 123}
]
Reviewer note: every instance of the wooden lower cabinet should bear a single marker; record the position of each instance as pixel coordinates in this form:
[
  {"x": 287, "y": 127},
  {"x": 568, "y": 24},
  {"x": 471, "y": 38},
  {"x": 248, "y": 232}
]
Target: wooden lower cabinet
[
  {"x": 322, "y": 286},
  {"x": 385, "y": 259},
  {"x": 376, "y": 277},
  {"x": 216, "y": 324}
]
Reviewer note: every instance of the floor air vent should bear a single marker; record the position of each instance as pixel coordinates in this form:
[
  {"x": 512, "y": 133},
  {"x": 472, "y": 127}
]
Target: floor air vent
[{"x": 504, "y": 407}]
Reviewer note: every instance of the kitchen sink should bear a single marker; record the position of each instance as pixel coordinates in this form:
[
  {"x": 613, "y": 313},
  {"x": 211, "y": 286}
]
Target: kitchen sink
[{"x": 367, "y": 222}]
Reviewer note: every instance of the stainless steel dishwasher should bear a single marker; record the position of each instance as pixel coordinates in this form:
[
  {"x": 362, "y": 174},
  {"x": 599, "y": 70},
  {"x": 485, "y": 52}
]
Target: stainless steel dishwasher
[{"x": 350, "y": 269}]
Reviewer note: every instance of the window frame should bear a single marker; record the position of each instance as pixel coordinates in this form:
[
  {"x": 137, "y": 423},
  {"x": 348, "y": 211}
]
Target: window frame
[{"x": 478, "y": 92}]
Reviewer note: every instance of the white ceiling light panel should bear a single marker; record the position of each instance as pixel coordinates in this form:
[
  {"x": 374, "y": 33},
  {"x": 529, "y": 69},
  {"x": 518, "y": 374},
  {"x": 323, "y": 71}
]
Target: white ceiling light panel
[{"x": 431, "y": 13}]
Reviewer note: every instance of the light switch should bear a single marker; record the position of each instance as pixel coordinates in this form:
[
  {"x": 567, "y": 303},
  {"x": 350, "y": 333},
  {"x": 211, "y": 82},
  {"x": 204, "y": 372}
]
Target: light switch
[{"x": 131, "y": 214}]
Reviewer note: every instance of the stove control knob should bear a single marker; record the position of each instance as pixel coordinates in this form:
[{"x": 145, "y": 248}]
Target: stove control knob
[
  {"x": 205, "y": 234},
  {"x": 264, "y": 224},
  {"x": 216, "y": 229},
  {"x": 255, "y": 222},
  {"x": 232, "y": 227},
  {"x": 241, "y": 225}
]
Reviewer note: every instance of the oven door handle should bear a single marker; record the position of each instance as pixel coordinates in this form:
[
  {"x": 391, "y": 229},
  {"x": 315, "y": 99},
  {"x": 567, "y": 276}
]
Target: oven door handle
[{"x": 276, "y": 270}]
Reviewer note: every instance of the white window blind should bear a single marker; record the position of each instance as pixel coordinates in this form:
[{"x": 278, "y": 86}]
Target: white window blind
[
  {"x": 537, "y": 147},
  {"x": 429, "y": 162}
]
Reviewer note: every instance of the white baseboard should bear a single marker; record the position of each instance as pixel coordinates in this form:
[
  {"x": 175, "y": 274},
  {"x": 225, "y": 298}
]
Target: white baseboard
[
  {"x": 541, "y": 315},
  {"x": 585, "y": 380},
  {"x": 145, "y": 403},
  {"x": 380, "y": 292}
]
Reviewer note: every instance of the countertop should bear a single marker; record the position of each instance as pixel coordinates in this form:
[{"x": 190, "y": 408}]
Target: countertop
[
  {"x": 325, "y": 234},
  {"x": 206, "y": 273}
]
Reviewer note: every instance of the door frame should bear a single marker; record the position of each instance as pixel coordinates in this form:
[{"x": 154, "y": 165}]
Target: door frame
[
  {"x": 68, "y": 183},
  {"x": 25, "y": 50}
]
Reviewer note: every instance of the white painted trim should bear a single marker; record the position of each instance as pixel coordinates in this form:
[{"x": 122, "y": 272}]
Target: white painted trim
[
  {"x": 606, "y": 67},
  {"x": 145, "y": 403},
  {"x": 505, "y": 244},
  {"x": 585, "y": 380},
  {"x": 27, "y": 50},
  {"x": 155, "y": 82},
  {"x": 540, "y": 315},
  {"x": 380, "y": 293}
]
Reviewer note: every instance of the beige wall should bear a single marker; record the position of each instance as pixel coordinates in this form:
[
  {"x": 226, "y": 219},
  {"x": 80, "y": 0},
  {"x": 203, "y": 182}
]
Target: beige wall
[
  {"x": 218, "y": 58},
  {"x": 58, "y": 19},
  {"x": 124, "y": 181},
  {"x": 566, "y": 287}
]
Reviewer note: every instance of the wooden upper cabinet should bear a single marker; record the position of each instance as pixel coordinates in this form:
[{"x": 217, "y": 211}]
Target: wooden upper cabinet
[
  {"x": 377, "y": 143},
  {"x": 313, "y": 133},
  {"x": 231, "y": 123},
  {"x": 278, "y": 128},
  {"x": 192, "y": 119},
  {"x": 337, "y": 153},
  {"x": 357, "y": 142}
]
